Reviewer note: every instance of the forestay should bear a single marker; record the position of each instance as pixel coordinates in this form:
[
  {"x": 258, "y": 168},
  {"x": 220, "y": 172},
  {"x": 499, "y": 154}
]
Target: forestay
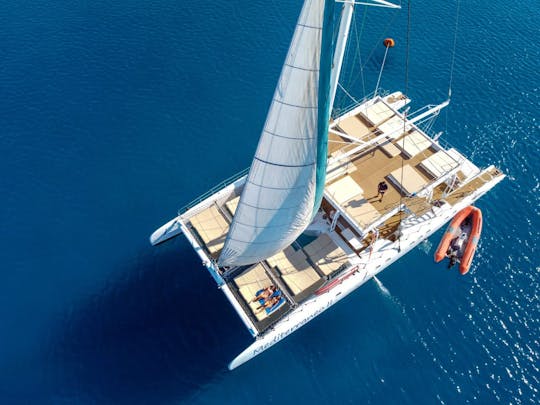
[{"x": 285, "y": 182}]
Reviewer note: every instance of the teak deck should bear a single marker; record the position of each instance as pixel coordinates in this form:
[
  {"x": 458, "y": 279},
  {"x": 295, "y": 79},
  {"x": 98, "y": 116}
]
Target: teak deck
[{"x": 408, "y": 160}]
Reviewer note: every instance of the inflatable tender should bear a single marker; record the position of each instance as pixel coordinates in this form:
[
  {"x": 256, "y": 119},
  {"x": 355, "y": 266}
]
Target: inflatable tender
[{"x": 460, "y": 240}]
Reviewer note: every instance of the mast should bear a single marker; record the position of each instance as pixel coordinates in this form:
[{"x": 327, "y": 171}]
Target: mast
[
  {"x": 343, "y": 35},
  {"x": 341, "y": 42}
]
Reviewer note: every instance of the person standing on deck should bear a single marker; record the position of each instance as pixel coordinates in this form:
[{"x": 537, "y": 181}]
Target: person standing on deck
[{"x": 381, "y": 189}]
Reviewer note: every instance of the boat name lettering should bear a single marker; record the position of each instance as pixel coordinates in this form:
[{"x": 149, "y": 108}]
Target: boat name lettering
[{"x": 287, "y": 332}]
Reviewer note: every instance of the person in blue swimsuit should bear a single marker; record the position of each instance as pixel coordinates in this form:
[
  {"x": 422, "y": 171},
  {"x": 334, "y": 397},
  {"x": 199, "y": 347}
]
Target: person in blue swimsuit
[
  {"x": 269, "y": 303},
  {"x": 265, "y": 293}
]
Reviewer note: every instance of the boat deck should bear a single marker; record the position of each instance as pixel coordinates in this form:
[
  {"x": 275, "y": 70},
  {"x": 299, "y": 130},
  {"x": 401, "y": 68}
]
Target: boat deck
[
  {"x": 375, "y": 145},
  {"x": 356, "y": 194},
  {"x": 297, "y": 271}
]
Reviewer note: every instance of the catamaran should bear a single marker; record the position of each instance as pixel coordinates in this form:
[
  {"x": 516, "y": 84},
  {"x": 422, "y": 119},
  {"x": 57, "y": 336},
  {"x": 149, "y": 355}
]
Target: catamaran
[{"x": 306, "y": 225}]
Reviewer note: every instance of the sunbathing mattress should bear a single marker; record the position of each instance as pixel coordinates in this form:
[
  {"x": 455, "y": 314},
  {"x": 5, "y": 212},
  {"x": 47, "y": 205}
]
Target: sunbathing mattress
[
  {"x": 352, "y": 126},
  {"x": 439, "y": 164},
  {"x": 362, "y": 211},
  {"x": 377, "y": 113},
  {"x": 344, "y": 189},
  {"x": 326, "y": 255},
  {"x": 212, "y": 227},
  {"x": 394, "y": 127},
  {"x": 410, "y": 182},
  {"x": 232, "y": 205},
  {"x": 413, "y": 144},
  {"x": 249, "y": 283}
]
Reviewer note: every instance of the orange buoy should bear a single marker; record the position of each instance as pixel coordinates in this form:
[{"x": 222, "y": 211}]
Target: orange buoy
[{"x": 389, "y": 42}]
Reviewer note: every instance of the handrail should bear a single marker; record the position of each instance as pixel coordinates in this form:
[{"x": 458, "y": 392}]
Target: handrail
[
  {"x": 213, "y": 190},
  {"x": 342, "y": 111}
]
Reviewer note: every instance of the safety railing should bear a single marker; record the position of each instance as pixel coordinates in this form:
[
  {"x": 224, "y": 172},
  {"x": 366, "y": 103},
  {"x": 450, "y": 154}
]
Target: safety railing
[
  {"x": 338, "y": 112},
  {"x": 213, "y": 190}
]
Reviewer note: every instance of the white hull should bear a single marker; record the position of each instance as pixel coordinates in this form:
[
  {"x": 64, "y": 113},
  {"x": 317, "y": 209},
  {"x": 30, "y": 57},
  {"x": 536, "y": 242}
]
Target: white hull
[
  {"x": 357, "y": 235},
  {"x": 165, "y": 232},
  {"x": 369, "y": 265},
  {"x": 362, "y": 268}
]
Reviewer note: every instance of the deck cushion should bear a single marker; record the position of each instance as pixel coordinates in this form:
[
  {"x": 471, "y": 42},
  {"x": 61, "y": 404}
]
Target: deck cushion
[
  {"x": 344, "y": 189},
  {"x": 326, "y": 255},
  {"x": 377, "y": 113},
  {"x": 413, "y": 143},
  {"x": 362, "y": 211},
  {"x": 212, "y": 227},
  {"x": 439, "y": 164},
  {"x": 410, "y": 182},
  {"x": 248, "y": 283},
  {"x": 394, "y": 128}
]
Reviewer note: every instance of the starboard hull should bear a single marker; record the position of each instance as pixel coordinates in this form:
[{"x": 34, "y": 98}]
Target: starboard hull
[{"x": 384, "y": 253}]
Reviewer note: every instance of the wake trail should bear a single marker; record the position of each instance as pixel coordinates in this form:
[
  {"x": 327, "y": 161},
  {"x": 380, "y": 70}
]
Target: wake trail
[
  {"x": 382, "y": 288},
  {"x": 395, "y": 304},
  {"x": 410, "y": 332}
]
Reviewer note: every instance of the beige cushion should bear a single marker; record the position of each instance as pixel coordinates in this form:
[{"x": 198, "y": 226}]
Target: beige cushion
[
  {"x": 295, "y": 269},
  {"x": 412, "y": 179},
  {"x": 344, "y": 189},
  {"x": 286, "y": 258},
  {"x": 249, "y": 283},
  {"x": 439, "y": 164},
  {"x": 233, "y": 204},
  {"x": 362, "y": 211},
  {"x": 393, "y": 128},
  {"x": 354, "y": 127},
  {"x": 212, "y": 228},
  {"x": 326, "y": 254},
  {"x": 413, "y": 143},
  {"x": 301, "y": 280},
  {"x": 389, "y": 148},
  {"x": 377, "y": 113}
]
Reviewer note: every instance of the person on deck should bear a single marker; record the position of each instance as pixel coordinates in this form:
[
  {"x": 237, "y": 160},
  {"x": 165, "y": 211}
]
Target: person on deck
[
  {"x": 455, "y": 248},
  {"x": 453, "y": 258},
  {"x": 381, "y": 189},
  {"x": 269, "y": 303},
  {"x": 265, "y": 293}
]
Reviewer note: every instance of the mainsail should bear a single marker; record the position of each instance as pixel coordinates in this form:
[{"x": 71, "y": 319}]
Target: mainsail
[{"x": 285, "y": 183}]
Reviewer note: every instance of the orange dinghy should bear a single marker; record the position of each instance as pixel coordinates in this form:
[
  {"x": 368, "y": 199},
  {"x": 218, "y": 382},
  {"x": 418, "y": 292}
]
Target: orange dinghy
[{"x": 461, "y": 238}]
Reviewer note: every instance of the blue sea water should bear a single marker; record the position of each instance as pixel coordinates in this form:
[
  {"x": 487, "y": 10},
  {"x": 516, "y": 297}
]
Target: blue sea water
[{"x": 114, "y": 114}]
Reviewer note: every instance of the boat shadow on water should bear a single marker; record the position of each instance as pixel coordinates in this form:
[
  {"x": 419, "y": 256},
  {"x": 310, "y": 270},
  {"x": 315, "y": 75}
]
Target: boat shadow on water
[{"x": 161, "y": 333}]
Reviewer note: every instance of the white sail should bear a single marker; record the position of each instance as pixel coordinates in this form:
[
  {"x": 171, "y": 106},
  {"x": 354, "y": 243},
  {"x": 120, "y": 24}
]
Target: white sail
[{"x": 286, "y": 179}]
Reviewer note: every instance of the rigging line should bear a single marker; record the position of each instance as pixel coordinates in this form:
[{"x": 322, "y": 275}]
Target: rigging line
[
  {"x": 454, "y": 50},
  {"x": 407, "y": 51},
  {"x": 349, "y": 80},
  {"x": 360, "y": 53},
  {"x": 380, "y": 72},
  {"x": 452, "y": 63},
  {"x": 395, "y": 14},
  {"x": 354, "y": 52},
  {"x": 348, "y": 94}
]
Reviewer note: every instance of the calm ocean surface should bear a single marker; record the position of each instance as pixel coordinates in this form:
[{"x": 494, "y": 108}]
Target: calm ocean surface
[{"x": 114, "y": 114}]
